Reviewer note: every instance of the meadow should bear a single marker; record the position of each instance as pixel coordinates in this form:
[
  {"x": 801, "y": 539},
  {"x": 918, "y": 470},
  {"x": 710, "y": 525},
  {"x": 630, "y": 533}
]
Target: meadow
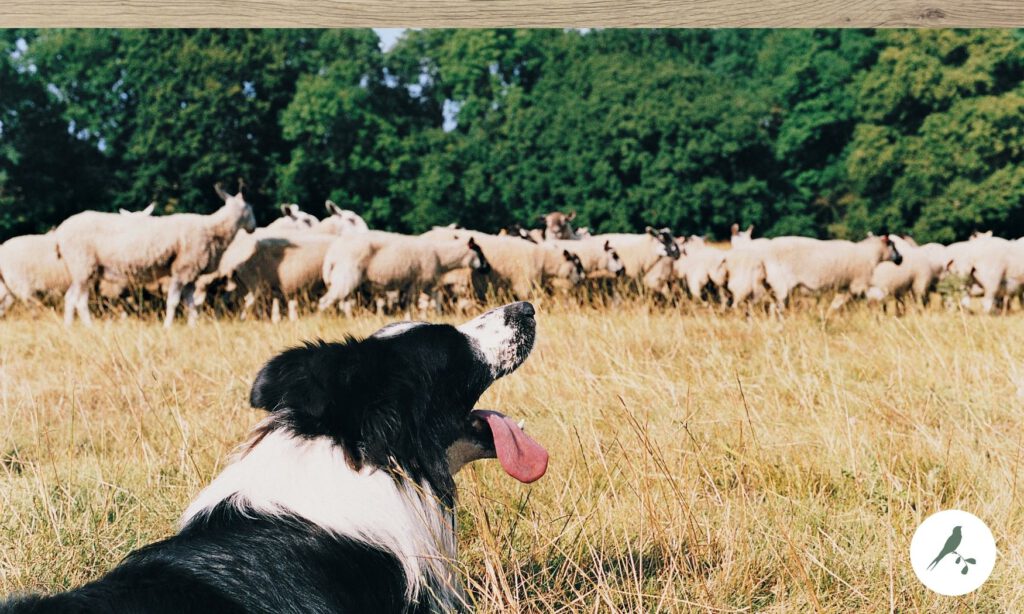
[{"x": 699, "y": 461}]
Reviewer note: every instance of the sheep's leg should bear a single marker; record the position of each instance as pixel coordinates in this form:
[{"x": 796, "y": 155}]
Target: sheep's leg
[
  {"x": 347, "y": 306},
  {"x": 838, "y": 302},
  {"x": 70, "y": 300},
  {"x": 275, "y": 310},
  {"x": 293, "y": 309},
  {"x": 247, "y": 304},
  {"x": 188, "y": 297},
  {"x": 173, "y": 300},
  {"x": 82, "y": 306},
  {"x": 6, "y": 299}
]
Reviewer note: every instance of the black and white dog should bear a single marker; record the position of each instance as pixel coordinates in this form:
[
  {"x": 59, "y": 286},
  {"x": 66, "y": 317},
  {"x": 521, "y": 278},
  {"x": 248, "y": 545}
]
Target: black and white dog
[{"x": 342, "y": 500}]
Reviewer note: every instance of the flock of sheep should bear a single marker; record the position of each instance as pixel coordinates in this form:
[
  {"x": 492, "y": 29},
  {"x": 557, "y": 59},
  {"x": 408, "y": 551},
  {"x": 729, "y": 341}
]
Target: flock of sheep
[{"x": 188, "y": 258}]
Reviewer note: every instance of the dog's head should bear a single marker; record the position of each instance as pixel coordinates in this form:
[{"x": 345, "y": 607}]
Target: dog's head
[{"x": 402, "y": 399}]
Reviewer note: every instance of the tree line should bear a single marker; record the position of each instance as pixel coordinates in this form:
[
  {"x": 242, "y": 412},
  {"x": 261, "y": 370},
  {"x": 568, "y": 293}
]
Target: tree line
[{"x": 828, "y": 133}]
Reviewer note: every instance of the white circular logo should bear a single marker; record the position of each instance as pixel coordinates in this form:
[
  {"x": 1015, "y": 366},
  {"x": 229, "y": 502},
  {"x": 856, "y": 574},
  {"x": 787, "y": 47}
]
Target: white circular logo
[{"x": 953, "y": 552}]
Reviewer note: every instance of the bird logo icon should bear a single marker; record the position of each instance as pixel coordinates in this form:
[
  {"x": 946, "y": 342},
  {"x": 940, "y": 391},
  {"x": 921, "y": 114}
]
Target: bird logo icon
[
  {"x": 952, "y": 543},
  {"x": 953, "y": 552}
]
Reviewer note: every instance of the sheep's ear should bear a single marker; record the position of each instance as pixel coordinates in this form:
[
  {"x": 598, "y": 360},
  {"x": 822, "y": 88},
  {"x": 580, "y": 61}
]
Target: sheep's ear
[
  {"x": 219, "y": 188},
  {"x": 149, "y": 209},
  {"x": 651, "y": 231},
  {"x": 735, "y": 230},
  {"x": 607, "y": 246},
  {"x": 542, "y": 217},
  {"x": 332, "y": 208},
  {"x": 567, "y": 254},
  {"x": 472, "y": 244},
  {"x": 571, "y": 216}
]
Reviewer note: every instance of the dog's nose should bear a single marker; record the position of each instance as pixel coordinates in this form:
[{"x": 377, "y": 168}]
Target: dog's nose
[{"x": 526, "y": 309}]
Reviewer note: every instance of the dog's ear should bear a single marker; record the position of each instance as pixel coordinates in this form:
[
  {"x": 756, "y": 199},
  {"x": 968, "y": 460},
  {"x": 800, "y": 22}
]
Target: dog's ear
[{"x": 297, "y": 379}]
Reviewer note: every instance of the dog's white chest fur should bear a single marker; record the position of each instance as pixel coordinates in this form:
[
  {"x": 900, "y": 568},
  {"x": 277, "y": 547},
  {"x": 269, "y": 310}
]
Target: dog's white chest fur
[{"x": 312, "y": 479}]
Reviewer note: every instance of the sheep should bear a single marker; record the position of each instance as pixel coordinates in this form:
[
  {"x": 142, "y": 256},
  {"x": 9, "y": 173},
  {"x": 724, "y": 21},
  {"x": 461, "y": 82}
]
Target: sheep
[
  {"x": 341, "y": 221},
  {"x": 741, "y": 238},
  {"x": 647, "y": 257},
  {"x": 386, "y": 261},
  {"x": 294, "y": 218},
  {"x": 30, "y": 268},
  {"x": 521, "y": 267},
  {"x": 700, "y": 266},
  {"x": 920, "y": 270},
  {"x": 742, "y": 274},
  {"x": 996, "y": 265},
  {"x": 792, "y": 262},
  {"x": 557, "y": 225},
  {"x": 283, "y": 263},
  {"x": 99, "y": 245},
  {"x": 598, "y": 258}
]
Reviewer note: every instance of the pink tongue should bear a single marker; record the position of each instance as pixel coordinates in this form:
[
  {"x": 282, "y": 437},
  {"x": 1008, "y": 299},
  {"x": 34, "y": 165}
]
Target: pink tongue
[{"x": 520, "y": 456}]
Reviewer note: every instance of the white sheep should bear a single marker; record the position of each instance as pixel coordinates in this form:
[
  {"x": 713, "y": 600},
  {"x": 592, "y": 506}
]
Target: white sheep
[
  {"x": 520, "y": 267},
  {"x": 699, "y": 267},
  {"x": 844, "y": 266},
  {"x": 30, "y": 268},
  {"x": 143, "y": 249},
  {"x": 742, "y": 274},
  {"x": 917, "y": 274},
  {"x": 341, "y": 221},
  {"x": 647, "y": 257},
  {"x": 996, "y": 265},
  {"x": 599, "y": 258},
  {"x": 294, "y": 218},
  {"x": 387, "y": 262},
  {"x": 743, "y": 238}
]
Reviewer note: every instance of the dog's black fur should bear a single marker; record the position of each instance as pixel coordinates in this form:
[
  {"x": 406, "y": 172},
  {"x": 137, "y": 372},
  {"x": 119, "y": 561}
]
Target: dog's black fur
[{"x": 395, "y": 403}]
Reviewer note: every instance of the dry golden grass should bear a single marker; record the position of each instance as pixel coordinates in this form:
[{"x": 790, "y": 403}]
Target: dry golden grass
[{"x": 698, "y": 462}]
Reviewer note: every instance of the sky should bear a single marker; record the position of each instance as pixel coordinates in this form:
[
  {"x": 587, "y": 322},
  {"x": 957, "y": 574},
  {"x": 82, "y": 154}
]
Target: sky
[{"x": 388, "y": 36}]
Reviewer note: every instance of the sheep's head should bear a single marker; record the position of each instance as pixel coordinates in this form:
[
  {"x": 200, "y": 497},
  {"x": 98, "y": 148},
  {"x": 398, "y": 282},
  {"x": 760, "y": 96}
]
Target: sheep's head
[
  {"x": 238, "y": 205},
  {"x": 557, "y": 224},
  {"x": 342, "y": 221},
  {"x": 613, "y": 263},
  {"x": 573, "y": 268},
  {"x": 740, "y": 237},
  {"x": 475, "y": 259},
  {"x": 299, "y": 218},
  {"x": 668, "y": 246},
  {"x": 889, "y": 251}
]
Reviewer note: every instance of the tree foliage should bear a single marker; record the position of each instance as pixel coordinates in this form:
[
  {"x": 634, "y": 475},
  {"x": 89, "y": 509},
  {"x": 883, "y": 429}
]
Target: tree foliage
[{"x": 816, "y": 132}]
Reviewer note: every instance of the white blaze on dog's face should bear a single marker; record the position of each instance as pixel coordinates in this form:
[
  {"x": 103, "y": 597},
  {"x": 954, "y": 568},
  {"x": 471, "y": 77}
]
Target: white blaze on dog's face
[{"x": 503, "y": 336}]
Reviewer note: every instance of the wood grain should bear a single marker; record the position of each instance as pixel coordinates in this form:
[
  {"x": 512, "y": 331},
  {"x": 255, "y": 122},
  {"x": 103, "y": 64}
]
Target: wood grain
[{"x": 514, "y": 13}]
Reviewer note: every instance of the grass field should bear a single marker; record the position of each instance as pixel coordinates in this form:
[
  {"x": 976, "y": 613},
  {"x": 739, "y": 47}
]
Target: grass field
[{"x": 698, "y": 462}]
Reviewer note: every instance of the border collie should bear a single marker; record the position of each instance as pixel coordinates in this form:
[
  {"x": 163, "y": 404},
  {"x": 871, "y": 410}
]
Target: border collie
[{"x": 342, "y": 500}]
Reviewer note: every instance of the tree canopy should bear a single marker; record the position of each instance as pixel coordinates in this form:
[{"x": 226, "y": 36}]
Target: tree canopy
[{"x": 816, "y": 132}]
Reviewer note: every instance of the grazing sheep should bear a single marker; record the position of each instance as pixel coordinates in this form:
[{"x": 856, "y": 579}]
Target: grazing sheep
[
  {"x": 294, "y": 218},
  {"x": 30, "y": 268},
  {"x": 598, "y": 258},
  {"x": 279, "y": 263},
  {"x": 996, "y": 265},
  {"x": 741, "y": 238},
  {"x": 647, "y": 257},
  {"x": 700, "y": 268},
  {"x": 921, "y": 269},
  {"x": 143, "y": 249},
  {"x": 341, "y": 221},
  {"x": 844, "y": 266},
  {"x": 522, "y": 268},
  {"x": 389, "y": 262},
  {"x": 742, "y": 273},
  {"x": 557, "y": 225}
]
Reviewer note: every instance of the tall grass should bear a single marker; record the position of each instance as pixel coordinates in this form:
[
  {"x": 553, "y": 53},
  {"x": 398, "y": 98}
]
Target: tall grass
[{"x": 698, "y": 462}]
